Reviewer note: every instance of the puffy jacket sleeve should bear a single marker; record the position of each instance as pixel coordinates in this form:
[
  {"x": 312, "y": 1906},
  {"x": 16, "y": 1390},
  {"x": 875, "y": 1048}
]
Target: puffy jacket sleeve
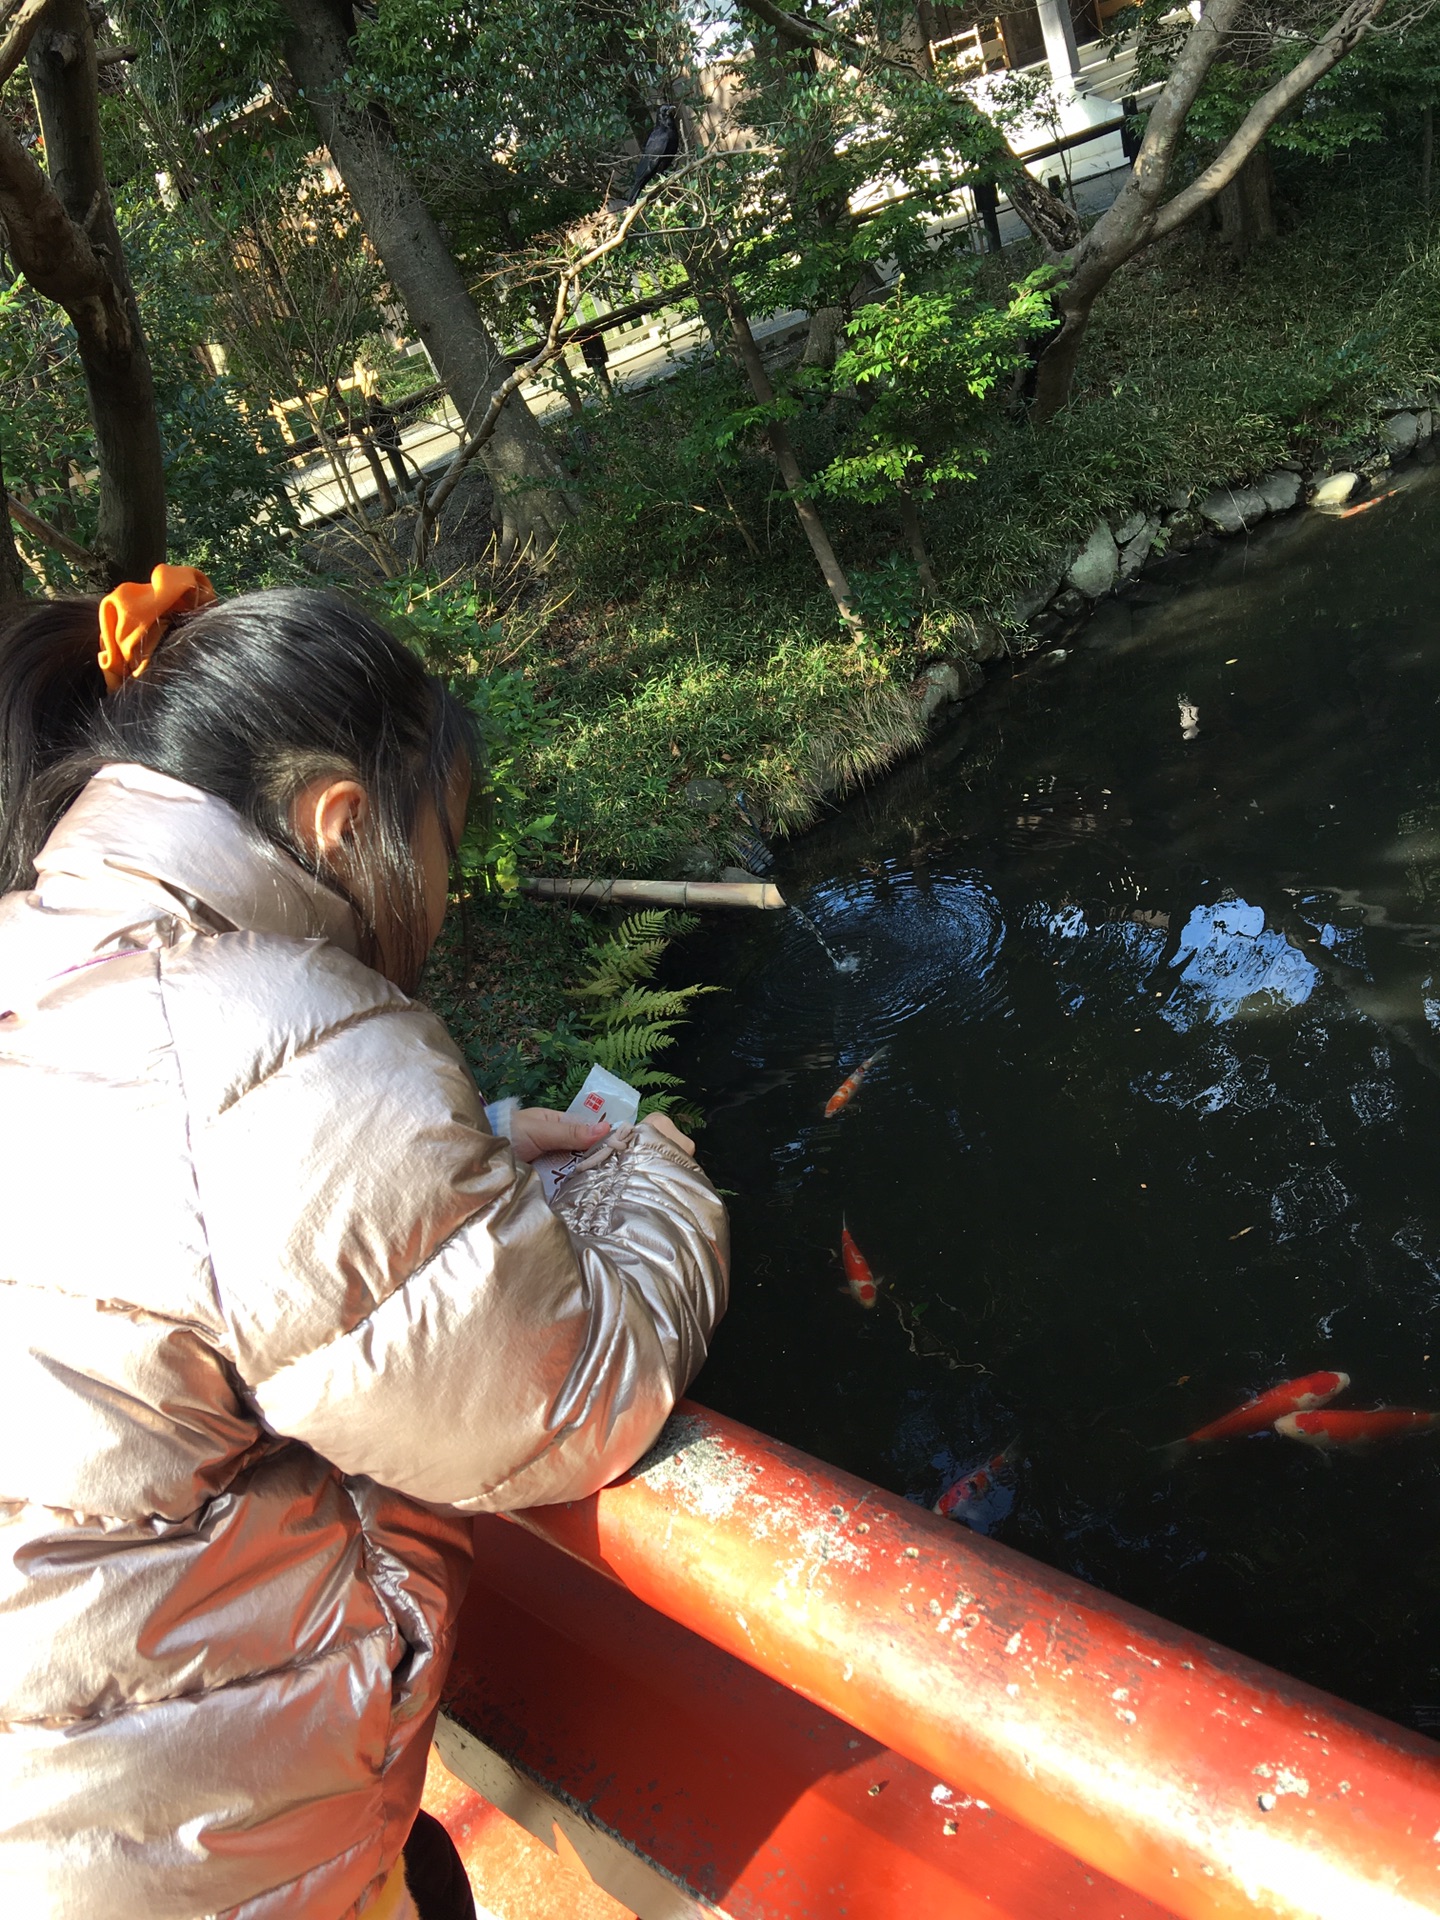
[{"x": 401, "y": 1298}]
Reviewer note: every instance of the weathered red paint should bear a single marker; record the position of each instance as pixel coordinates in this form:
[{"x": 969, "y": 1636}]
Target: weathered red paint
[
  {"x": 761, "y": 1805},
  {"x": 1203, "y": 1780}
]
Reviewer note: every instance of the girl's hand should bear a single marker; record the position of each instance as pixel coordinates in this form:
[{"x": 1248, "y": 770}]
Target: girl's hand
[{"x": 537, "y": 1130}]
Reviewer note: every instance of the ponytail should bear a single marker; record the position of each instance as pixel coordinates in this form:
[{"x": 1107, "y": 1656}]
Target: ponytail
[
  {"x": 249, "y": 700},
  {"x": 51, "y": 693}
]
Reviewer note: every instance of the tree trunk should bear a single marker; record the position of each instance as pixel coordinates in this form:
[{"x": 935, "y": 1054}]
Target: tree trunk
[
  {"x": 810, "y": 521},
  {"x": 915, "y": 540},
  {"x": 118, "y": 383},
  {"x": 1055, "y": 370},
  {"x": 822, "y": 343},
  {"x": 12, "y": 573},
  {"x": 531, "y": 497},
  {"x": 1245, "y": 207}
]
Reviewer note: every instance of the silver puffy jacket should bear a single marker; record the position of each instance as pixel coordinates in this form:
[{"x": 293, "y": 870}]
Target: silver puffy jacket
[{"x": 274, "y": 1304}]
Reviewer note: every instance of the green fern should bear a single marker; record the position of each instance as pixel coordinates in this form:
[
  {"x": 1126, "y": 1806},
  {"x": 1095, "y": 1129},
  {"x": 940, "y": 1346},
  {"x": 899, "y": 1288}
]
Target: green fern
[{"x": 621, "y": 1022}]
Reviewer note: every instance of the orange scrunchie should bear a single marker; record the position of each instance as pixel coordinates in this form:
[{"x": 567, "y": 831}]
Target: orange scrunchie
[{"x": 134, "y": 617}]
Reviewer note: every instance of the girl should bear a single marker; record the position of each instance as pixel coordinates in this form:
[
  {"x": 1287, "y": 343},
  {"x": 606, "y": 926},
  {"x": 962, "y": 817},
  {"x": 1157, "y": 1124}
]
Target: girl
[{"x": 277, "y": 1308}]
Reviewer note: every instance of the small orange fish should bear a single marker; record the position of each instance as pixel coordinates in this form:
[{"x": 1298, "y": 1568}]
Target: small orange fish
[
  {"x": 858, "y": 1277},
  {"x": 1364, "y": 506},
  {"x": 848, "y": 1088},
  {"x": 1340, "y": 1427}
]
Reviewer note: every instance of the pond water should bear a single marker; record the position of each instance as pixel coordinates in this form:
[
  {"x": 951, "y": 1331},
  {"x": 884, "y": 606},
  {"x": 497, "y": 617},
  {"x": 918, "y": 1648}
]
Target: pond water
[{"x": 1151, "y": 941}]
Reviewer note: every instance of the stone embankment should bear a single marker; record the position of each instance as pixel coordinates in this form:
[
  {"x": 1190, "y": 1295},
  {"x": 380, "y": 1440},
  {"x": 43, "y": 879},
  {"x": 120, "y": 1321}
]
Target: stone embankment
[
  {"x": 1117, "y": 550},
  {"x": 1072, "y": 586}
]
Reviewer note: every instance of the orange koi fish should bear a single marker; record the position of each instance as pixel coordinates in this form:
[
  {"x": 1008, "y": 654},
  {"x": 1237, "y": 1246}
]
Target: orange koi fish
[
  {"x": 858, "y": 1277},
  {"x": 1291, "y": 1396},
  {"x": 976, "y": 1496},
  {"x": 848, "y": 1088},
  {"x": 1339, "y": 1427},
  {"x": 1364, "y": 506}
]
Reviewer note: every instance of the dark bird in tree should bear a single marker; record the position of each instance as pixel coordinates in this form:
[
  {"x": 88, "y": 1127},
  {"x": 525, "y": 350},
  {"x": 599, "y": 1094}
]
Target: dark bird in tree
[{"x": 662, "y": 143}]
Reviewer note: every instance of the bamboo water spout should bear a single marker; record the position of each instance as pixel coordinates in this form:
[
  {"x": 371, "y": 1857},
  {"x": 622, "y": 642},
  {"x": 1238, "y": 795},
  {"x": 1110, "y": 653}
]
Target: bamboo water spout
[{"x": 664, "y": 893}]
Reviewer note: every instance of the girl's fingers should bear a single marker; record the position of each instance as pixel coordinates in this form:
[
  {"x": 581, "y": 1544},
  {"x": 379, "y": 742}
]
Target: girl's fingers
[{"x": 537, "y": 1130}]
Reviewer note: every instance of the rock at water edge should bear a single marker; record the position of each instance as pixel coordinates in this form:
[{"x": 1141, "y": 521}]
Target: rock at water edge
[
  {"x": 1279, "y": 490},
  {"x": 1095, "y": 568},
  {"x": 696, "y": 862},
  {"x": 1183, "y": 531},
  {"x": 1399, "y": 434},
  {"x": 1233, "y": 509},
  {"x": 938, "y": 686},
  {"x": 1334, "y": 490},
  {"x": 1130, "y": 526},
  {"x": 989, "y": 641},
  {"x": 1026, "y": 605},
  {"x": 1136, "y": 550}
]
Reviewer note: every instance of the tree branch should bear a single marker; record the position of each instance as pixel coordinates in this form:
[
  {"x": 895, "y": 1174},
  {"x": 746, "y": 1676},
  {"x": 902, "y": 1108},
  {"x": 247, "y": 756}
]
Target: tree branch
[
  {"x": 1165, "y": 125},
  {"x": 18, "y": 35},
  {"x": 1346, "y": 33},
  {"x": 52, "y": 537},
  {"x": 54, "y": 255},
  {"x": 550, "y": 348},
  {"x": 821, "y": 39},
  {"x": 1054, "y": 224}
]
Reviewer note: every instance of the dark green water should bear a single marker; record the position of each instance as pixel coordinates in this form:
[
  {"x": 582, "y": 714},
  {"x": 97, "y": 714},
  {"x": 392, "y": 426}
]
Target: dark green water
[{"x": 1159, "y": 1119}]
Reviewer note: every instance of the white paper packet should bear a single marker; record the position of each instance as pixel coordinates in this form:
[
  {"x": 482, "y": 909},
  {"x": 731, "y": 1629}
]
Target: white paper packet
[{"x": 604, "y": 1096}]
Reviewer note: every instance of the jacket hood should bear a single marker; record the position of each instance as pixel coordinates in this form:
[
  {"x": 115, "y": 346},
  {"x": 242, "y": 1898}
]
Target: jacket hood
[{"x": 138, "y": 840}]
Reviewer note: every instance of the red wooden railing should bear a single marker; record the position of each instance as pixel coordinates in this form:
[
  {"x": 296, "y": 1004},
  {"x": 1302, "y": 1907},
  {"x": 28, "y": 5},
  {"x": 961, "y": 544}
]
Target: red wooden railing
[{"x": 743, "y": 1683}]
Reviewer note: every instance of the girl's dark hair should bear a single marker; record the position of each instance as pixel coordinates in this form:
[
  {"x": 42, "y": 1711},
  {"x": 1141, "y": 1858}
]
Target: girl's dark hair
[{"x": 248, "y": 700}]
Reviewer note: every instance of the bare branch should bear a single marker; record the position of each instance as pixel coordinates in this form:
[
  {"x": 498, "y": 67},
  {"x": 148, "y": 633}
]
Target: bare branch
[
  {"x": 1346, "y": 33},
  {"x": 52, "y": 537},
  {"x": 20, "y": 31},
  {"x": 550, "y": 348}
]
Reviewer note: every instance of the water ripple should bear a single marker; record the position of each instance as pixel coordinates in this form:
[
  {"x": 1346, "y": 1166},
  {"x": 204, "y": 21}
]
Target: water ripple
[{"x": 918, "y": 943}]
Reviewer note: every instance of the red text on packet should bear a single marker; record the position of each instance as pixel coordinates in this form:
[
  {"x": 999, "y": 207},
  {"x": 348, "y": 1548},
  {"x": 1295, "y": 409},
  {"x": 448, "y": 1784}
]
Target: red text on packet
[{"x": 595, "y": 1102}]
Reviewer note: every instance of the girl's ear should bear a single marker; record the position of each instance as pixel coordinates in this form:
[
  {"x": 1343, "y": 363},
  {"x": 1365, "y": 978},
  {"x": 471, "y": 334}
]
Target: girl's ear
[{"x": 328, "y": 814}]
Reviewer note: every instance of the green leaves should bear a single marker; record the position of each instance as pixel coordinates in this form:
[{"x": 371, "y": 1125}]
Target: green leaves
[
  {"x": 622, "y": 1023},
  {"x": 923, "y": 362}
]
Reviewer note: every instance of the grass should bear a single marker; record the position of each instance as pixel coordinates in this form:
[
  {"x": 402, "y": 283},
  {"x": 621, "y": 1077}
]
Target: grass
[
  {"x": 689, "y": 634},
  {"x": 665, "y": 693}
]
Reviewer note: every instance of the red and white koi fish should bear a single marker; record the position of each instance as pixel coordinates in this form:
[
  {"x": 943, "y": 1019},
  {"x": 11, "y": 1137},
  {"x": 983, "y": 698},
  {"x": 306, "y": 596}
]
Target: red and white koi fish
[
  {"x": 1291, "y": 1396},
  {"x": 858, "y": 1277},
  {"x": 849, "y": 1087},
  {"x": 1364, "y": 506},
  {"x": 1344, "y": 1427},
  {"x": 974, "y": 1496}
]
